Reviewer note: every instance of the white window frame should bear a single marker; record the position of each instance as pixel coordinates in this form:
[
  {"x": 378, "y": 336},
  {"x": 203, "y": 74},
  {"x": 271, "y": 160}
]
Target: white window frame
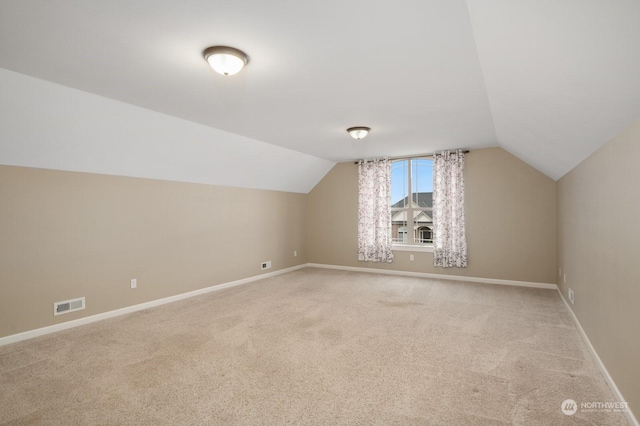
[{"x": 416, "y": 247}]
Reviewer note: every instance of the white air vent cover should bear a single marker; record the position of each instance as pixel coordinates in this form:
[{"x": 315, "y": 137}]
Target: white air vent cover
[{"x": 68, "y": 306}]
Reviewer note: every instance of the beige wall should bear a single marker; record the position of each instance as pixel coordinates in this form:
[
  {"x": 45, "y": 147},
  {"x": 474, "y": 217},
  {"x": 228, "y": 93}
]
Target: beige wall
[
  {"x": 599, "y": 250},
  {"x": 510, "y": 214},
  {"x": 65, "y": 235}
]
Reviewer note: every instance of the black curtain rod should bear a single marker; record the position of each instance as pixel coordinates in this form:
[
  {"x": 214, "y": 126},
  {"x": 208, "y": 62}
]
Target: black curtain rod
[{"x": 466, "y": 151}]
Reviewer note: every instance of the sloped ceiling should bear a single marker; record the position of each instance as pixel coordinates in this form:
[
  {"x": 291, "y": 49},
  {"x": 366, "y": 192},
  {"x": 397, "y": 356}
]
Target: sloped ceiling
[
  {"x": 562, "y": 77},
  {"x": 46, "y": 125},
  {"x": 549, "y": 81}
]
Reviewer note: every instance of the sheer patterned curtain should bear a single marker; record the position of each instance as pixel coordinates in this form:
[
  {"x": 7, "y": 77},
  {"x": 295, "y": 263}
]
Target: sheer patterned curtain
[
  {"x": 374, "y": 214},
  {"x": 449, "y": 241}
]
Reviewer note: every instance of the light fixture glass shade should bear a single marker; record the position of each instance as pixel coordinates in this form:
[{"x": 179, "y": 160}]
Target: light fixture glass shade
[
  {"x": 358, "y": 132},
  {"x": 225, "y": 60}
]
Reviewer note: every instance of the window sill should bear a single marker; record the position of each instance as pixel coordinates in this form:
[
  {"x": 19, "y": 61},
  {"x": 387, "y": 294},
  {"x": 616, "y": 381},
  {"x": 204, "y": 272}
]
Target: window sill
[{"x": 408, "y": 247}]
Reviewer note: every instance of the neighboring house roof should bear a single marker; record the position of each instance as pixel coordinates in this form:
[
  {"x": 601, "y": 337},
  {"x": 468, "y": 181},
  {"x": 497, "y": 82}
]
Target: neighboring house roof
[
  {"x": 418, "y": 216},
  {"x": 425, "y": 199}
]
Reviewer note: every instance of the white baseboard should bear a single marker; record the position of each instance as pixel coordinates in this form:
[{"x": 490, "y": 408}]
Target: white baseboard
[
  {"x": 437, "y": 276},
  {"x": 98, "y": 317},
  {"x": 616, "y": 392}
]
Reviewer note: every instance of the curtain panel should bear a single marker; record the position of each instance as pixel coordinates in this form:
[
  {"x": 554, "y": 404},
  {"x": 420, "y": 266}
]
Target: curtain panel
[
  {"x": 374, "y": 213},
  {"x": 449, "y": 241}
]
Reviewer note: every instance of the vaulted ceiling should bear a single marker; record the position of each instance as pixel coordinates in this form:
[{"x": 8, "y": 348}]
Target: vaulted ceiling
[{"x": 549, "y": 81}]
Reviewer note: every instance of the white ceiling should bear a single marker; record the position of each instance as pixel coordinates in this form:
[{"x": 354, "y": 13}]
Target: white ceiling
[{"x": 550, "y": 81}]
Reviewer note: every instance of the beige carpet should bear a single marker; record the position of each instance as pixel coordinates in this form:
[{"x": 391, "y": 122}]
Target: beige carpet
[{"x": 314, "y": 347}]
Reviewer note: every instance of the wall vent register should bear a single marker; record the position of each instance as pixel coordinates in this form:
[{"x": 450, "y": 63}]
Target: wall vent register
[{"x": 67, "y": 306}]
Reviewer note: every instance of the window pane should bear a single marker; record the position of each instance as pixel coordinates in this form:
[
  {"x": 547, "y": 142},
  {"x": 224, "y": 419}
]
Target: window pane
[
  {"x": 399, "y": 183},
  {"x": 399, "y": 227},
  {"x": 422, "y": 182},
  {"x": 424, "y": 227},
  {"x": 411, "y": 201}
]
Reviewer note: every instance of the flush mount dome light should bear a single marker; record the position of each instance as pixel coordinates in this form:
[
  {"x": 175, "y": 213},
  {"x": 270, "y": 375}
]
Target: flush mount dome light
[
  {"x": 225, "y": 60},
  {"x": 358, "y": 132}
]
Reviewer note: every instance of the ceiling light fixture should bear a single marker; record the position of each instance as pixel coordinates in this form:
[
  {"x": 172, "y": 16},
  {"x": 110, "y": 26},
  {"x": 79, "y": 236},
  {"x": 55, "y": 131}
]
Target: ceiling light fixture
[
  {"x": 358, "y": 132},
  {"x": 225, "y": 60}
]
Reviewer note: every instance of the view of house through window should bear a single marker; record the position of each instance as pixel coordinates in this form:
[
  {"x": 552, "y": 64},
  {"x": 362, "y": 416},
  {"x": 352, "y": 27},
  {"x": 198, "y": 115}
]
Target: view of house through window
[{"x": 411, "y": 201}]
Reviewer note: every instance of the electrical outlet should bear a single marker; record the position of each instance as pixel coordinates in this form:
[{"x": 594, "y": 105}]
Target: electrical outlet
[
  {"x": 295, "y": 253},
  {"x": 134, "y": 283},
  {"x": 265, "y": 265},
  {"x": 411, "y": 257},
  {"x": 565, "y": 278},
  {"x": 570, "y": 292}
]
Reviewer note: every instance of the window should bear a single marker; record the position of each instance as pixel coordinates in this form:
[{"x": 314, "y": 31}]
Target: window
[
  {"x": 426, "y": 235},
  {"x": 411, "y": 202},
  {"x": 402, "y": 234}
]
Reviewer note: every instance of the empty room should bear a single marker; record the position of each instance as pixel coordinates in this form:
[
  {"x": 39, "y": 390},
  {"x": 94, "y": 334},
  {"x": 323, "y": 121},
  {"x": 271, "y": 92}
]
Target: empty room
[{"x": 317, "y": 213}]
